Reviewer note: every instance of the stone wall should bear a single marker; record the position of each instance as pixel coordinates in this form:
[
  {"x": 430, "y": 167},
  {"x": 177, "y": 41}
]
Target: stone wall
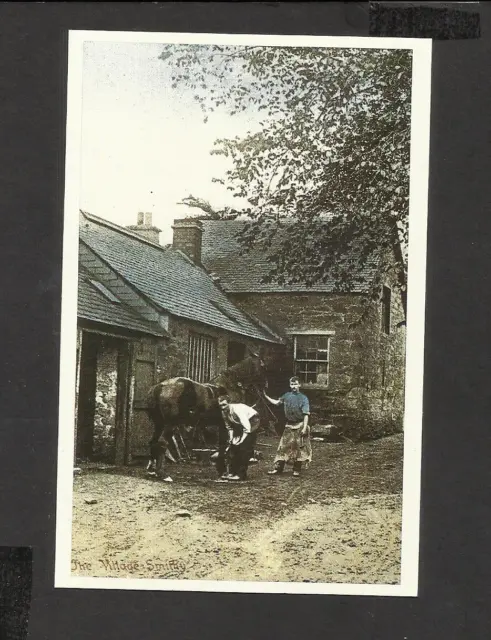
[
  {"x": 366, "y": 370},
  {"x": 173, "y": 353},
  {"x": 155, "y": 359},
  {"x": 105, "y": 400}
]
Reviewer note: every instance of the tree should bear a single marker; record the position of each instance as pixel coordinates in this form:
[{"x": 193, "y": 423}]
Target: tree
[
  {"x": 203, "y": 205},
  {"x": 326, "y": 178},
  {"x": 210, "y": 212}
]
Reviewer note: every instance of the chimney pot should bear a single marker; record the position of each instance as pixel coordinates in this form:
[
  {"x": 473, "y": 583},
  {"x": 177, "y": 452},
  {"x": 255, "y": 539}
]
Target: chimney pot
[{"x": 144, "y": 227}]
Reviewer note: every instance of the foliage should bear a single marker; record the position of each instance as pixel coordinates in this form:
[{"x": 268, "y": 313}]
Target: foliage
[
  {"x": 326, "y": 178},
  {"x": 203, "y": 205}
]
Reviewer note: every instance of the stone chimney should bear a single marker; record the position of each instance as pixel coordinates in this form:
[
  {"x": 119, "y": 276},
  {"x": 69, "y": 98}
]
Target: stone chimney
[
  {"x": 145, "y": 228},
  {"x": 187, "y": 237}
]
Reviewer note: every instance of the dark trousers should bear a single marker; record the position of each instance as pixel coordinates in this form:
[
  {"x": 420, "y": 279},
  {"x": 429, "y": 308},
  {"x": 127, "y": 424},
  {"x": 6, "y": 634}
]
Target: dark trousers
[
  {"x": 237, "y": 467},
  {"x": 240, "y": 456}
]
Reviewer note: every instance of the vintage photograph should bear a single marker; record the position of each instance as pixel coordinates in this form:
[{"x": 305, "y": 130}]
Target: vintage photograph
[{"x": 243, "y": 313}]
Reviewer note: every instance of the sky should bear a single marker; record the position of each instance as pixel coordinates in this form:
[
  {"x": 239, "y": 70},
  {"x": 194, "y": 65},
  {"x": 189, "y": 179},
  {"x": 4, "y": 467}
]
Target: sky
[{"x": 144, "y": 145}]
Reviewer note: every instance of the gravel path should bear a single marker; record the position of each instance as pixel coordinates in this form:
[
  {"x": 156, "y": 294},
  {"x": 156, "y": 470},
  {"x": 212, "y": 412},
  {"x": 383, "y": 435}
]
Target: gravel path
[{"x": 340, "y": 522}]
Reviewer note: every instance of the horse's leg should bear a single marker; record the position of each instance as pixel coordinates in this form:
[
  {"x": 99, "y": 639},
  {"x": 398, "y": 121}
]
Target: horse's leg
[
  {"x": 154, "y": 449},
  {"x": 159, "y": 457},
  {"x": 159, "y": 448},
  {"x": 152, "y": 455},
  {"x": 158, "y": 443}
]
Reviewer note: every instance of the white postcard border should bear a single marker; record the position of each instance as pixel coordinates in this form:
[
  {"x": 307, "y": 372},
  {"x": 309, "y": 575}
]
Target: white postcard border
[{"x": 420, "y": 119}]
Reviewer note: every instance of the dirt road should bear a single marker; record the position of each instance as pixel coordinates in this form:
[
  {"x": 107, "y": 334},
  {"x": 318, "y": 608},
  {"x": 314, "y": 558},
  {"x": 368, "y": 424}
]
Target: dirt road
[{"x": 340, "y": 522}]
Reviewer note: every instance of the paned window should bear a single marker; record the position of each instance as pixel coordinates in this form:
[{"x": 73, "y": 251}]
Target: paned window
[
  {"x": 201, "y": 357},
  {"x": 311, "y": 356}
]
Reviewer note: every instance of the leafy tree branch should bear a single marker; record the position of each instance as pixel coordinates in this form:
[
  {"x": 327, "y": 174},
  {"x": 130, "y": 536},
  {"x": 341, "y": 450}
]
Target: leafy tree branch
[{"x": 329, "y": 167}]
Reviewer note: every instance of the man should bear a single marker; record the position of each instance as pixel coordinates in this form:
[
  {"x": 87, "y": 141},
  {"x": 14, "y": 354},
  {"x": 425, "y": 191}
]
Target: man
[
  {"x": 241, "y": 423},
  {"x": 294, "y": 446}
]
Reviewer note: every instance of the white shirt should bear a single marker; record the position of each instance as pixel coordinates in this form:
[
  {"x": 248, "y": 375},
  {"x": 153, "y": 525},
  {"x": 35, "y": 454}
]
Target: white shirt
[{"x": 240, "y": 415}]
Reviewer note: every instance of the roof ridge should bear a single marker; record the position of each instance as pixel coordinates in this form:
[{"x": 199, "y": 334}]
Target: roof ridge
[
  {"x": 175, "y": 259},
  {"x": 124, "y": 230}
]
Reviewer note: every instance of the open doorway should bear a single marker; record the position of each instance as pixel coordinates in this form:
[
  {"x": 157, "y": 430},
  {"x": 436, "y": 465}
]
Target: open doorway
[
  {"x": 99, "y": 399},
  {"x": 236, "y": 352}
]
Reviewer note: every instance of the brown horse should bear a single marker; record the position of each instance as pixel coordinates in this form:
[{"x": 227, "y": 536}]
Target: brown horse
[{"x": 181, "y": 401}]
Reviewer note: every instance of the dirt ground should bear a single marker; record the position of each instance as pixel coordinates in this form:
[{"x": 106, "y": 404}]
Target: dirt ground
[{"x": 340, "y": 522}]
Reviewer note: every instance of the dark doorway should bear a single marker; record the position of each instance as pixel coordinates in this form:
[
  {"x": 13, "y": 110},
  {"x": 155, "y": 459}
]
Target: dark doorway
[
  {"x": 236, "y": 352},
  {"x": 86, "y": 402},
  {"x": 102, "y": 398}
]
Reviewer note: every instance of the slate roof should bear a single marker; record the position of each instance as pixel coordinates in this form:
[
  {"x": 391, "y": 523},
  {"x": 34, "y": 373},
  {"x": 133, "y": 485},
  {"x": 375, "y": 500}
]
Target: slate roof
[
  {"x": 95, "y": 306},
  {"x": 221, "y": 255},
  {"x": 168, "y": 278}
]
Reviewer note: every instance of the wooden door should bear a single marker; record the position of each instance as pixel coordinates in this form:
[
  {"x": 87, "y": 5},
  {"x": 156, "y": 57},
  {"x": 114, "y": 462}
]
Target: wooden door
[{"x": 144, "y": 377}]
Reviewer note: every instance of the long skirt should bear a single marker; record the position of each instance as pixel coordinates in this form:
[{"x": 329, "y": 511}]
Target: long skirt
[{"x": 294, "y": 448}]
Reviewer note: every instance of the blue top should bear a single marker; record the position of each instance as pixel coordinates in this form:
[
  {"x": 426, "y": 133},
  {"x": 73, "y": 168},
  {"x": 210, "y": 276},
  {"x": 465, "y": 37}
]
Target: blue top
[{"x": 296, "y": 406}]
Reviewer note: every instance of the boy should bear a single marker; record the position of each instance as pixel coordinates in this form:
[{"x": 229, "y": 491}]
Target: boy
[{"x": 294, "y": 446}]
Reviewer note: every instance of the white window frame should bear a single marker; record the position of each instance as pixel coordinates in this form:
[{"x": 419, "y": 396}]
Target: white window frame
[
  {"x": 314, "y": 332},
  {"x": 201, "y": 357}
]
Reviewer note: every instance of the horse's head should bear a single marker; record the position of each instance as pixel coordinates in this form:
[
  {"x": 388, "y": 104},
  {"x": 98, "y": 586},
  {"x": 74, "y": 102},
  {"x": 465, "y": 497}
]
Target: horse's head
[
  {"x": 244, "y": 376},
  {"x": 258, "y": 358},
  {"x": 261, "y": 362}
]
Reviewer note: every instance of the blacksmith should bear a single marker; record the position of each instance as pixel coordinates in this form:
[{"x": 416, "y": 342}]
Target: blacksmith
[
  {"x": 295, "y": 446},
  {"x": 241, "y": 423}
]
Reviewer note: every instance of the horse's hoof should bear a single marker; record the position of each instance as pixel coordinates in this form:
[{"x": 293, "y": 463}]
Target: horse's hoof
[{"x": 168, "y": 479}]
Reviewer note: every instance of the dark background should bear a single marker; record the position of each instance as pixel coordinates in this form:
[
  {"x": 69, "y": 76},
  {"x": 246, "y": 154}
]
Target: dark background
[{"x": 455, "y": 562}]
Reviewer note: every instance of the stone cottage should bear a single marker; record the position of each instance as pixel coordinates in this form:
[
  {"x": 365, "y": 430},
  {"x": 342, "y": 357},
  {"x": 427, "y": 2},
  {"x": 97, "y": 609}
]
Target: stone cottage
[{"x": 352, "y": 372}]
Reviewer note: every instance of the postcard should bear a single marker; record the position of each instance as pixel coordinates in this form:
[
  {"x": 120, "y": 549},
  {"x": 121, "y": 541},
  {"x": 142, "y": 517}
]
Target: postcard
[{"x": 243, "y": 313}]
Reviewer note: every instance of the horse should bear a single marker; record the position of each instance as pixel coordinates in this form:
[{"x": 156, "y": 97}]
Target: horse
[{"x": 182, "y": 401}]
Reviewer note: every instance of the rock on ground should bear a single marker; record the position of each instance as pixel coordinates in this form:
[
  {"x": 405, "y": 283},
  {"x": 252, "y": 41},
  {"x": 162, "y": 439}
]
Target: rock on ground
[{"x": 340, "y": 522}]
